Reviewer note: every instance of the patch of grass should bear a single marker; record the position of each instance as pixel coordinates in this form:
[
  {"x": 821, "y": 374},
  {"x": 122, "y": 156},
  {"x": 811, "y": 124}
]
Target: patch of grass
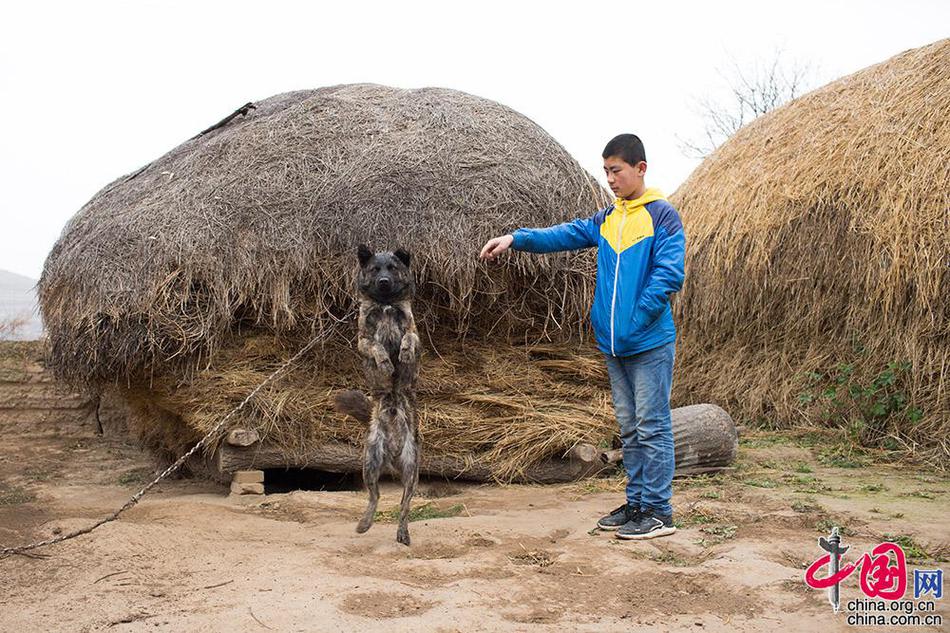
[
  {"x": 805, "y": 506},
  {"x": 537, "y": 558},
  {"x": 36, "y": 473},
  {"x": 763, "y": 440},
  {"x": 743, "y": 466},
  {"x": 761, "y": 483},
  {"x": 824, "y": 526},
  {"x": 711, "y": 494},
  {"x": 801, "y": 480},
  {"x": 801, "y": 438},
  {"x": 672, "y": 559},
  {"x": 15, "y": 496},
  {"x": 813, "y": 490},
  {"x": 598, "y": 485},
  {"x": 135, "y": 476},
  {"x": 806, "y": 484},
  {"x": 724, "y": 531},
  {"x": 802, "y": 467},
  {"x": 873, "y": 488},
  {"x": 842, "y": 458},
  {"x": 912, "y": 549},
  {"x": 920, "y": 494},
  {"x": 698, "y": 481},
  {"x": 717, "y": 534},
  {"x": 700, "y": 517},
  {"x": 866, "y": 408},
  {"x": 695, "y": 515},
  {"x": 421, "y": 513}
]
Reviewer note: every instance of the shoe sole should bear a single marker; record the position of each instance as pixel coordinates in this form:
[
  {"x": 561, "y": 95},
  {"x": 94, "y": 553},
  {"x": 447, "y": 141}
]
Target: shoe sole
[
  {"x": 666, "y": 531},
  {"x": 609, "y": 528}
]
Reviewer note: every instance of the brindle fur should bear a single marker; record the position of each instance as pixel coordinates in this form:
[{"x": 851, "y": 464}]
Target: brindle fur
[{"x": 389, "y": 346}]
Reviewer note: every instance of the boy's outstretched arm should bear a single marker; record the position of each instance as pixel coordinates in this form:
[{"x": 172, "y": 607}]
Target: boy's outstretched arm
[
  {"x": 669, "y": 252},
  {"x": 569, "y": 236}
]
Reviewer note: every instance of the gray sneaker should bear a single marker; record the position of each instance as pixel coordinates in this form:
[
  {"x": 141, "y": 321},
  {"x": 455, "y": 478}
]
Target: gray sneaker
[
  {"x": 619, "y": 517},
  {"x": 647, "y": 525}
]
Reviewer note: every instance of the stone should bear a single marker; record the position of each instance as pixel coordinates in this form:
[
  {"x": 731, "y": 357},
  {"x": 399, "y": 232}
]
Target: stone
[
  {"x": 248, "y": 477},
  {"x": 246, "y": 489}
]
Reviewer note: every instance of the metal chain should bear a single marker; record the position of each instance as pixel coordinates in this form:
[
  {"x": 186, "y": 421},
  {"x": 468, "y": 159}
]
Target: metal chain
[{"x": 8, "y": 551}]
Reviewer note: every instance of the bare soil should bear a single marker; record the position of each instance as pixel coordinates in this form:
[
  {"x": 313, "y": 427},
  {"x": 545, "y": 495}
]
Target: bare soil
[{"x": 191, "y": 557}]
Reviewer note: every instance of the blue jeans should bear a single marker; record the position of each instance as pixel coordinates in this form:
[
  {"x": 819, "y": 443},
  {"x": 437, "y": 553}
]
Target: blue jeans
[{"x": 641, "y": 391}]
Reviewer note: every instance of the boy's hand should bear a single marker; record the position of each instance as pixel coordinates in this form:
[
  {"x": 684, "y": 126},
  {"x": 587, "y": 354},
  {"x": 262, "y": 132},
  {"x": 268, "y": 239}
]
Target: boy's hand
[{"x": 496, "y": 246}]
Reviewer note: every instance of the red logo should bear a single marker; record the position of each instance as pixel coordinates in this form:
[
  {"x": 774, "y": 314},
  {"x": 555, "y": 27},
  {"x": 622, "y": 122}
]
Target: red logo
[{"x": 881, "y": 577}]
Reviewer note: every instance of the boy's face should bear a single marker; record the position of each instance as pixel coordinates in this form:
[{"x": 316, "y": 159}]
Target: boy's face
[{"x": 625, "y": 180}]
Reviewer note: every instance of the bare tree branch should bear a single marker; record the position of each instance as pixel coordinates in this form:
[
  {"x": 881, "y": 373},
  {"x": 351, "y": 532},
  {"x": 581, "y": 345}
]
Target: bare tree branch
[
  {"x": 752, "y": 92},
  {"x": 10, "y": 326}
]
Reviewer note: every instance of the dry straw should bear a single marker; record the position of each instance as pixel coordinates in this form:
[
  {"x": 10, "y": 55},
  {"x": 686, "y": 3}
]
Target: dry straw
[
  {"x": 817, "y": 246},
  {"x": 502, "y": 406}
]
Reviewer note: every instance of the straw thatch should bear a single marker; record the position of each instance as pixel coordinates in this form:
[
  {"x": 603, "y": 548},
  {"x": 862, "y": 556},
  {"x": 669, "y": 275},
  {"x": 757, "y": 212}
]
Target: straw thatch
[
  {"x": 256, "y": 223},
  {"x": 818, "y": 260},
  {"x": 191, "y": 279},
  {"x": 506, "y": 408}
]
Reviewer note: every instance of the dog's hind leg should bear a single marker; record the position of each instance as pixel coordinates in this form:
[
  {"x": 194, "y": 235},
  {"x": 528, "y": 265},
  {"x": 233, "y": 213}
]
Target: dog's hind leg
[
  {"x": 372, "y": 465},
  {"x": 409, "y": 474}
]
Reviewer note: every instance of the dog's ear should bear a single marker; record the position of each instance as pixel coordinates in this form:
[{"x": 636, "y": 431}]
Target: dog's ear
[
  {"x": 403, "y": 255},
  {"x": 364, "y": 254}
]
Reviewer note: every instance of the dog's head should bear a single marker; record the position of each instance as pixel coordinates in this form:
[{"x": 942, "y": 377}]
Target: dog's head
[{"x": 384, "y": 277}]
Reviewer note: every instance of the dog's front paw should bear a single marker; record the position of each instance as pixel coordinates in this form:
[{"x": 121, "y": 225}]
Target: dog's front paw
[
  {"x": 407, "y": 355},
  {"x": 386, "y": 366},
  {"x": 402, "y": 535}
]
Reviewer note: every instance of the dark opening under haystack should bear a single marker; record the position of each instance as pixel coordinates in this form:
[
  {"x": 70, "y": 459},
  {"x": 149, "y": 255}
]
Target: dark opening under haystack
[
  {"x": 189, "y": 281},
  {"x": 818, "y": 284}
]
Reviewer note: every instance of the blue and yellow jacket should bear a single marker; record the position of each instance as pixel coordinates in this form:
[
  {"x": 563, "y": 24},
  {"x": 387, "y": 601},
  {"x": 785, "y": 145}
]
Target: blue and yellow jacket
[{"x": 640, "y": 263}]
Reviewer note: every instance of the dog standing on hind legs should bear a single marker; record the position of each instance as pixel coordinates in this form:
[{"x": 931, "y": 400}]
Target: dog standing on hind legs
[{"x": 389, "y": 346}]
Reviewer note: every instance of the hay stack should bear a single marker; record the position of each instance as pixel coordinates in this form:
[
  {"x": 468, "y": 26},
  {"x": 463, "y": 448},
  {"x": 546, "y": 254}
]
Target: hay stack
[
  {"x": 190, "y": 280},
  {"x": 818, "y": 260},
  {"x": 254, "y": 224}
]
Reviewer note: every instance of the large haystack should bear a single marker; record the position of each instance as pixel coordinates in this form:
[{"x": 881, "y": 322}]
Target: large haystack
[
  {"x": 191, "y": 279},
  {"x": 818, "y": 284}
]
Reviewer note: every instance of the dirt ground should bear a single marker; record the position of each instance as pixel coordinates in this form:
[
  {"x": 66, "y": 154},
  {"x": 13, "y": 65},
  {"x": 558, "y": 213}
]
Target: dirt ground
[{"x": 190, "y": 557}]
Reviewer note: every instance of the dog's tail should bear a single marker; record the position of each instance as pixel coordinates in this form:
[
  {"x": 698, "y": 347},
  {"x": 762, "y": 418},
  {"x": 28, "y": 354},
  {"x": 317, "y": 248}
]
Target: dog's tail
[{"x": 354, "y": 404}]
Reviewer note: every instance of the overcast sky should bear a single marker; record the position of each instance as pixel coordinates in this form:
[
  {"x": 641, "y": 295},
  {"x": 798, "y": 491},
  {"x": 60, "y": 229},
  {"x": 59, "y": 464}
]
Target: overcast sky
[{"x": 93, "y": 90}]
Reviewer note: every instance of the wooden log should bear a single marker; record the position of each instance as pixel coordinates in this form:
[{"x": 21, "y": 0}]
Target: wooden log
[
  {"x": 587, "y": 453},
  {"x": 704, "y": 436},
  {"x": 582, "y": 461},
  {"x": 242, "y": 437},
  {"x": 704, "y": 440}
]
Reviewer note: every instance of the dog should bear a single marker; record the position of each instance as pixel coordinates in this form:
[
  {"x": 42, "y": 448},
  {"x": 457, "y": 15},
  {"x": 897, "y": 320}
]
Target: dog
[{"x": 388, "y": 344}]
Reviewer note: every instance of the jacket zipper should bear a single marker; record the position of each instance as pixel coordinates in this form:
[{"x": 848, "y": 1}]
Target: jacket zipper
[{"x": 613, "y": 299}]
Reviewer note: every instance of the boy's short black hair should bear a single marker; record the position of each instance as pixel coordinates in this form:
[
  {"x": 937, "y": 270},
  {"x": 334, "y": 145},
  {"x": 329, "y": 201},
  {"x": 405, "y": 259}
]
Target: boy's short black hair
[{"x": 628, "y": 147}]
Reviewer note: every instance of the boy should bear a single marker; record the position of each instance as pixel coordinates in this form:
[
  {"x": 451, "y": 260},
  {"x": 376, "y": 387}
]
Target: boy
[{"x": 640, "y": 263}]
